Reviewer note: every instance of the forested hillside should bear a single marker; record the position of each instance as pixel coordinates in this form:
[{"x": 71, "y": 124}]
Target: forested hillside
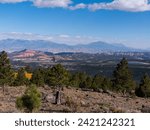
[{"x": 59, "y": 80}]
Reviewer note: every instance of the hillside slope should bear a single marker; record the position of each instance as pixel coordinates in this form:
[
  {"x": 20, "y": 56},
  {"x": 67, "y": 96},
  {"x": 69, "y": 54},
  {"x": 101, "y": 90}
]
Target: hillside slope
[{"x": 75, "y": 100}]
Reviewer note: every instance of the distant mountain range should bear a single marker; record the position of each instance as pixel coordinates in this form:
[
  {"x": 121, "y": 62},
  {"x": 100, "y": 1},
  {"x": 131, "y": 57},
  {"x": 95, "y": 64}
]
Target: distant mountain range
[{"x": 11, "y": 45}]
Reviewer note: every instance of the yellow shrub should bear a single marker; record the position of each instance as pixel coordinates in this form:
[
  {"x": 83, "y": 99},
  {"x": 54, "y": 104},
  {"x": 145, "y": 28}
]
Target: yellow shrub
[
  {"x": 27, "y": 75},
  {"x": 15, "y": 75}
]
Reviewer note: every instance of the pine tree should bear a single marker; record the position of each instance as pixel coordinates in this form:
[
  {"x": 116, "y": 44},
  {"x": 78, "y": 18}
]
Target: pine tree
[
  {"x": 97, "y": 82},
  {"x": 144, "y": 88},
  {"x": 30, "y": 101},
  {"x": 123, "y": 80},
  {"x": 6, "y": 72},
  {"x": 57, "y": 76},
  {"x": 106, "y": 84},
  {"x": 74, "y": 80},
  {"x": 80, "y": 79},
  {"x": 38, "y": 77},
  {"x": 100, "y": 82},
  {"x": 21, "y": 78},
  {"x": 86, "y": 83}
]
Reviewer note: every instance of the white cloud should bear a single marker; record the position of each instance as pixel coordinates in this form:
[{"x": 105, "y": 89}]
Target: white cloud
[
  {"x": 73, "y": 40},
  {"x": 52, "y": 3},
  {"x": 78, "y": 6},
  {"x": 25, "y": 36},
  {"x": 124, "y": 5},
  {"x": 43, "y": 3},
  {"x": 62, "y": 38},
  {"x": 12, "y": 1}
]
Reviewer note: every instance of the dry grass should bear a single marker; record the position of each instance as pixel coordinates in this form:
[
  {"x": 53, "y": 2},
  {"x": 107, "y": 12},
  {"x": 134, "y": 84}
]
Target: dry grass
[{"x": 76, "y": 101}]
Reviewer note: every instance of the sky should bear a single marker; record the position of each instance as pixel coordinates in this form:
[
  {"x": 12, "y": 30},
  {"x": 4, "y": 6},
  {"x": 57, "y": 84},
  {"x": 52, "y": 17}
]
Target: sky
[{"x": 77, "y": 21}]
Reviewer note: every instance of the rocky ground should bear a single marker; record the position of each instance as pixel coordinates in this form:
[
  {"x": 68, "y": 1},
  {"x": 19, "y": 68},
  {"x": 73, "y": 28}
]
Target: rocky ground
[{"x": 76, "y": 100}]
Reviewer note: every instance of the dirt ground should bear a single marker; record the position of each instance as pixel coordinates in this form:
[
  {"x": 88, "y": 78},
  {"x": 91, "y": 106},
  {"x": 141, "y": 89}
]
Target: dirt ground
[{"x": 76, "y": 100}]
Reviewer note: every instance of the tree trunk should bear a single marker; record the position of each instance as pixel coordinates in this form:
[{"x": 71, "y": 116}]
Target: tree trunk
[
  {"x": 58, "y": 97},
  {"x": 3, "y": 89}
]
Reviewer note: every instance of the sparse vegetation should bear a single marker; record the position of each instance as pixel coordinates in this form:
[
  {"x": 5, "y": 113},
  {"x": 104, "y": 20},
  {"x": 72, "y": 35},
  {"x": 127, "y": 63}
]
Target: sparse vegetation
[
  {"x": 58, "y": 77},
  {"x": 72, "y": 104},
  {"x": 30, "y": 101}
]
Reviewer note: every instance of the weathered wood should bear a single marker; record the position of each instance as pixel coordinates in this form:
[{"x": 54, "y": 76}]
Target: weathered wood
[
  {"x": 87, "y": 89},
  {"x": 58, "y": 97},
  {"x": 3, "y": 88}
]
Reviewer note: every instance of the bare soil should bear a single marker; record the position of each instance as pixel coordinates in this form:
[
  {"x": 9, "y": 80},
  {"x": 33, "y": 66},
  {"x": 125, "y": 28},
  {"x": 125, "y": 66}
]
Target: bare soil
[{"x": 76, "y": 100}]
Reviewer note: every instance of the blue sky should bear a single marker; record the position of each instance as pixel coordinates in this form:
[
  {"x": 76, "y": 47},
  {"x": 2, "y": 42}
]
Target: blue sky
[{"x": 78, "y": 21}]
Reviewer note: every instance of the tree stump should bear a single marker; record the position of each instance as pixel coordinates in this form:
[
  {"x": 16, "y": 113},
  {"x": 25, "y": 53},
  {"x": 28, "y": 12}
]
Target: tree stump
[{"x": 58, "y": 97}]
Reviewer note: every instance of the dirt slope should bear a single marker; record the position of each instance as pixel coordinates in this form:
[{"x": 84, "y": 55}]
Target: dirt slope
[{"x": 74, "y": 100}]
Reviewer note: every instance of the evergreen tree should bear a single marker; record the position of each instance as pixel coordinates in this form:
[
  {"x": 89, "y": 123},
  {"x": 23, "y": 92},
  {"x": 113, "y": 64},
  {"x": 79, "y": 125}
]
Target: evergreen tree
[
  {"x": 83, "y": 77},
  {"x": 30, "y": 101},
  {"x": 97, "y": 82},
  {"x": 123, "y": 78},
  {"x": 100, "y": 82},
  {"x": 144, "y": 88},
  {"x": 80, "y": 79},
  {"x": 74, "y": 80},
  {"x": 6, "y": 72},
  {"x": 87, "y": 83},
  {"x": 38, "y": 77},
  {"x": 57, "y": 76},
  {"x": 106, "y": 84},
  {"x": 21, "y": 78}
]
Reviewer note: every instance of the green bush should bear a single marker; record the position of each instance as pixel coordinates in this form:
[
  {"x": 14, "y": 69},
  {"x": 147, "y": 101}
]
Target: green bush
[
  {"x": 30, "y": 101},
  {"x": 144, "y": 88}
]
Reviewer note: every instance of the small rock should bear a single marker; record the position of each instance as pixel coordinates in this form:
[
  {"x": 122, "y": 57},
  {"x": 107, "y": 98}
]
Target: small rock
[
  {"x": 145, "y": 109},
  {"x": 106, "y": 109},
  {"x": 83, "y": 103},
  {"x": 108, "y": 92},
  {"x": 50, "y": 98},
  {"x": 100, "y": 90}
]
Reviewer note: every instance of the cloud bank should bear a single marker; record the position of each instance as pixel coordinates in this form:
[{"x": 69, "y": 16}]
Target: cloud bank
[
  {"x": 61, "y": 38},
  {"x": 12, "y": 1},
  {"x": 123, "y": 5}
]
